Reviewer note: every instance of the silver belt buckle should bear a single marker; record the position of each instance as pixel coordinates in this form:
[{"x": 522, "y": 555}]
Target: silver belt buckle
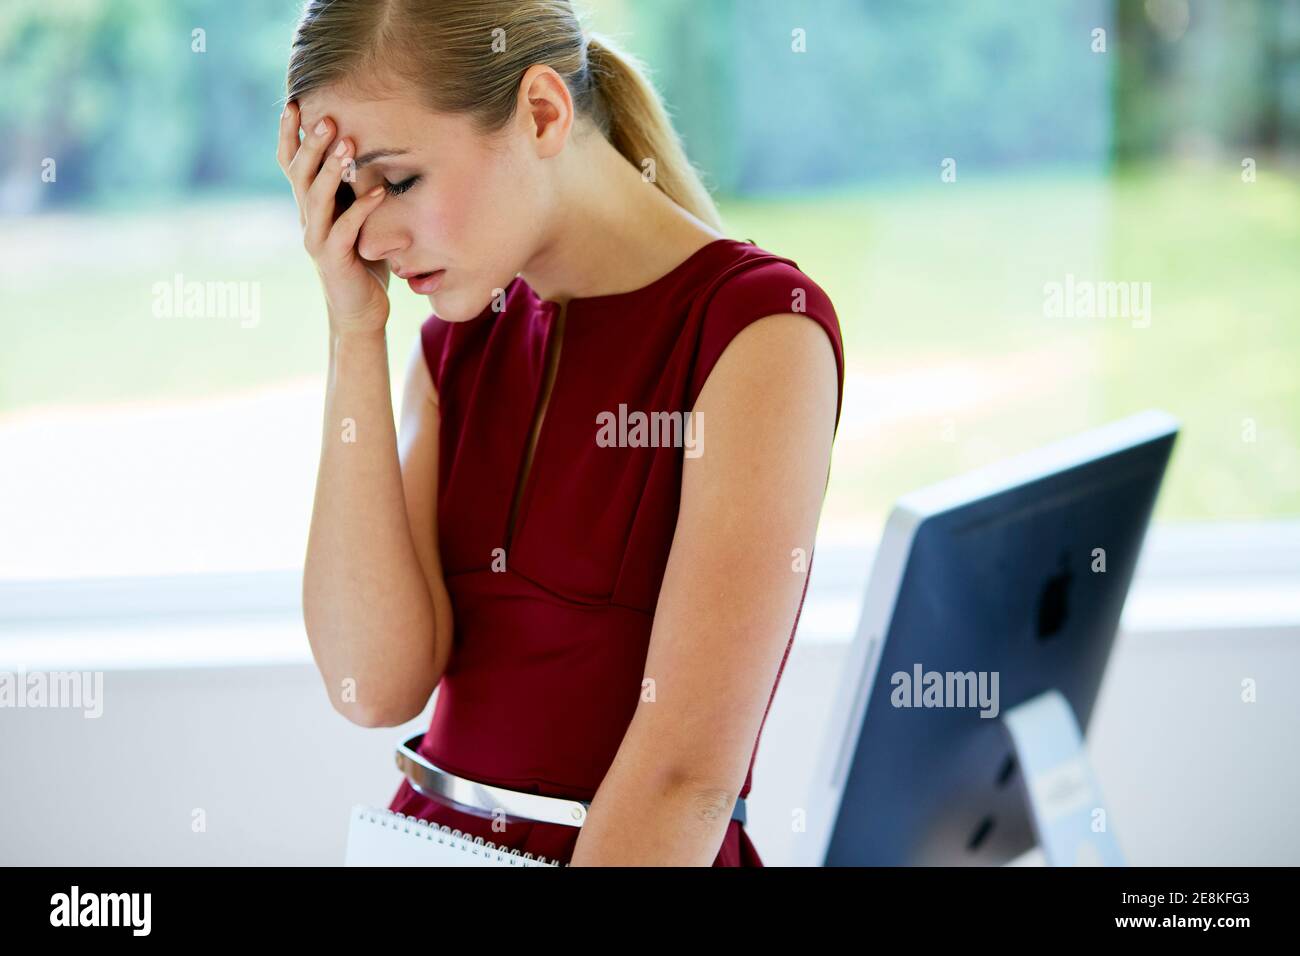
[{"x": 485, "y": 800}]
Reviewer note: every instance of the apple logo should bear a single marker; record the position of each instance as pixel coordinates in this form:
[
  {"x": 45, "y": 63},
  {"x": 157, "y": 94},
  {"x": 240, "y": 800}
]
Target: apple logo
[{"x": 1052, "y": 604}]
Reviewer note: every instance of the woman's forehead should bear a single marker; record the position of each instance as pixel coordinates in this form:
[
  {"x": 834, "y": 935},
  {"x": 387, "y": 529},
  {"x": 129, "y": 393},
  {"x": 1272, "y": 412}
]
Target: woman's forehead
[
  {"x": 383, "y": 118},
  {"x": 343, "y": 110}
]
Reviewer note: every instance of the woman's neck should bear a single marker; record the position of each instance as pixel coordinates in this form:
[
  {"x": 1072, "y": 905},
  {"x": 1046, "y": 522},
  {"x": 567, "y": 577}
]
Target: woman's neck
[{"x": 612, "y": 231}]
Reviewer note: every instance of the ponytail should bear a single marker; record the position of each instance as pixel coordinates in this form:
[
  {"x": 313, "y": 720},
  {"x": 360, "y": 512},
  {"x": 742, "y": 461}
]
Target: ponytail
[{"x": 638, "y": 126}]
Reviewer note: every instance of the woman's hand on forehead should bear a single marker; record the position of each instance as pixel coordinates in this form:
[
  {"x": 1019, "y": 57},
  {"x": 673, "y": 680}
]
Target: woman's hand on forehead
[{"x": 308, "y": 123}]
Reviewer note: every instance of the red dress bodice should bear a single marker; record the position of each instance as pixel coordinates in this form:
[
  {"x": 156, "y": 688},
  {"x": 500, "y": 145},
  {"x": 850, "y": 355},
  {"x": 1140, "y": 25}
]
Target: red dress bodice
[{"x": 552, "y": 627}]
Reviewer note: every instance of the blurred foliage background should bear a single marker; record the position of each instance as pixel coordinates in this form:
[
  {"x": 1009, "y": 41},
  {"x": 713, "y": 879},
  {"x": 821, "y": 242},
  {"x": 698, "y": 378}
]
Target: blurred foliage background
[
  {"x": 114, "y": 89},
  {"x": 1103, "y": 139}
]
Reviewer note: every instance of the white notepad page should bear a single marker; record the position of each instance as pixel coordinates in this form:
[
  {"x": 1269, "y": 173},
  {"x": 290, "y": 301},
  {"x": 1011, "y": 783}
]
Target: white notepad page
[{"x": 383, "y": 838}]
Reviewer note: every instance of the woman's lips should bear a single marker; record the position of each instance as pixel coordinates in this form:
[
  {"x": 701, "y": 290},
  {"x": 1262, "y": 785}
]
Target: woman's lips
[{"x": 426, "y": 282}]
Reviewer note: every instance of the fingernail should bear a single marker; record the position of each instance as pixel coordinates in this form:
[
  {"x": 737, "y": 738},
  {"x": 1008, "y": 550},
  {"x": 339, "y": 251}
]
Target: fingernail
[
  {"x": 376, "y": 191},
  {"x": 341, "y": 148},
  {"x": 320, "y": 129},
  {"x": 285, "y": 113}
]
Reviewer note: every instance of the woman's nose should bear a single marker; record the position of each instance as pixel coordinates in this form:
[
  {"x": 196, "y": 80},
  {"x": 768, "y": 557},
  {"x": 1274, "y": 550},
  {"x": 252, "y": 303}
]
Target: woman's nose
[{"x": 379, "y": 240}]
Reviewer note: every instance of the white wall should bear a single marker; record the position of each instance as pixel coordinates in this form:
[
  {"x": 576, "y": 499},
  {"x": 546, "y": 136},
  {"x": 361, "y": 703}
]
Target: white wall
[{"x": 1192, "y": 774}]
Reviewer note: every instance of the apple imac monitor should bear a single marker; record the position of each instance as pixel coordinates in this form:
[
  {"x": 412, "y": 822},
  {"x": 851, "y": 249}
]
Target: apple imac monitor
[{"x": 990, "y": 611}]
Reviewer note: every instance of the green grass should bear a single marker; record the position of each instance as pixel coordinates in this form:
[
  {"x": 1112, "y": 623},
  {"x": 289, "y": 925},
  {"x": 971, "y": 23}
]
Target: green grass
[
  {"x": 946, "y": 277},
  {"x": 957, "y": 271},
  {"x": 1223, "y": 350},
  {"x": 82, "y": 291}
]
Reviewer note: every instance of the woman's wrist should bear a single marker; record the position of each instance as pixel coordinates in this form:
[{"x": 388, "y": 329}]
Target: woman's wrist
[
  {"x": 346, "y": 335},
  {"x": 353, "y": 349}
]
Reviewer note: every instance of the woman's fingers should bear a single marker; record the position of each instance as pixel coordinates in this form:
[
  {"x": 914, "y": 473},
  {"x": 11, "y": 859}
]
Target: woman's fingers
[
  {"x": 307, "y": 161},
  {"x": 318, "y": 204},
  {"x": 287, "y": 151},
  {"x": 317, "y": 168},
  {"x": 316, "y": 178},
  {"x": 287, "y": 145},
  {"x": 343, "y": 237}
]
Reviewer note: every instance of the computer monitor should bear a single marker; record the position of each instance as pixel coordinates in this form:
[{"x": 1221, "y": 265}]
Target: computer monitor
[{"x": 990, "y": 611}]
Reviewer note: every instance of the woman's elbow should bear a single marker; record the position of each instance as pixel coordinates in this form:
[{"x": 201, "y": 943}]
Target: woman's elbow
[
  {"x": 380, "y": 714},
  {"x": 391, "y": 706}
]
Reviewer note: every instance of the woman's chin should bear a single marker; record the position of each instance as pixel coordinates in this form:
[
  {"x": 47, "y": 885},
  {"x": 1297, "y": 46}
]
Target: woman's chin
[
  {"x": 454, "y": 308},
  {"x": 446, "y": 308}
]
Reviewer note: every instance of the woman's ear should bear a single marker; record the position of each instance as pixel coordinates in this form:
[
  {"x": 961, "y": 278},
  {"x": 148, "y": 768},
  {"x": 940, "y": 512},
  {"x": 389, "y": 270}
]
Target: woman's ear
[{"x": 545, "y": 108}]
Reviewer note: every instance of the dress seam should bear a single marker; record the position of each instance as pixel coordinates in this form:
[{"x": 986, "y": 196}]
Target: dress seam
[{"x": 542, "y": 587}]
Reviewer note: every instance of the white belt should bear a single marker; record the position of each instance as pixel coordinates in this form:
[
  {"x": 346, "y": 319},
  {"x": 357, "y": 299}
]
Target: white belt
[{"x": 484, "y": 800}]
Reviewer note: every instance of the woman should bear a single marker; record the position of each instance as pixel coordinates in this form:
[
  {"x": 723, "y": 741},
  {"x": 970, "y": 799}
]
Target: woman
[{"x": 604, "y": 614}]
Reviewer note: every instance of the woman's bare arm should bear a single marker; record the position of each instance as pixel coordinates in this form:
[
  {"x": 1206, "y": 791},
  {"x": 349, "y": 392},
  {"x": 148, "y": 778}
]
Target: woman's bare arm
[
  {"x": 417, "y": 441},
  {"x": 374, "y": 603},
  {"x": 376, "y": 611},
  {"x": 749, "y": 506}
]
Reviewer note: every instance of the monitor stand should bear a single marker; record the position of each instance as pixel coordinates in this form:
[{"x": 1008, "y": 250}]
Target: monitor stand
[{"x": 1060, "y": 789}]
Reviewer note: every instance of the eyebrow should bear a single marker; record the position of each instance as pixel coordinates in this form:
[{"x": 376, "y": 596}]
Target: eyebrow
[{"x": 375, "y": 154}]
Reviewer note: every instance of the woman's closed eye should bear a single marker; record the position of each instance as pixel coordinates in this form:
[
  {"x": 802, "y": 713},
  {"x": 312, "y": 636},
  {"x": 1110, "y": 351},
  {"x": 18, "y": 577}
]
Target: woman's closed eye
[{"x": 396, "y": 189}]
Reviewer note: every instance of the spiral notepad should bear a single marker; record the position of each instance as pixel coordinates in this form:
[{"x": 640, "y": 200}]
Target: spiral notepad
[{"x": 383, "y": 838}]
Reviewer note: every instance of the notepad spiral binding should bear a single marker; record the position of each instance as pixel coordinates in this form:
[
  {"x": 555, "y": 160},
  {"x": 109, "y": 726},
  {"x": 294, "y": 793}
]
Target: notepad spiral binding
[{"x": 461, "y": 840}]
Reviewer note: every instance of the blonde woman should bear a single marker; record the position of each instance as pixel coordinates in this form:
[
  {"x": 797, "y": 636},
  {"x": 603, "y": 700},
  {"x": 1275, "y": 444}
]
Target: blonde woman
[{"x": 602, "y": 589}]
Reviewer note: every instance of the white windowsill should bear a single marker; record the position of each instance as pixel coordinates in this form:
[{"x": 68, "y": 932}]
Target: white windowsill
[{"x": 1194, "y": 578}]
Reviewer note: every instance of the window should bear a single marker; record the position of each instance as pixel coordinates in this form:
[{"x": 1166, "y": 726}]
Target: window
[{"x": 1032, "y": 219}]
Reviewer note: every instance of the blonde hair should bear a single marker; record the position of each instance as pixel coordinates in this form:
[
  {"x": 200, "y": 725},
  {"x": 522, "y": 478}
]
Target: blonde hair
[{"x": 468, "y": 57}]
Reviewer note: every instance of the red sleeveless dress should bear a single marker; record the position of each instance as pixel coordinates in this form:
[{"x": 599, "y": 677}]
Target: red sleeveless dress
[{"x": 549, "y": 654}]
